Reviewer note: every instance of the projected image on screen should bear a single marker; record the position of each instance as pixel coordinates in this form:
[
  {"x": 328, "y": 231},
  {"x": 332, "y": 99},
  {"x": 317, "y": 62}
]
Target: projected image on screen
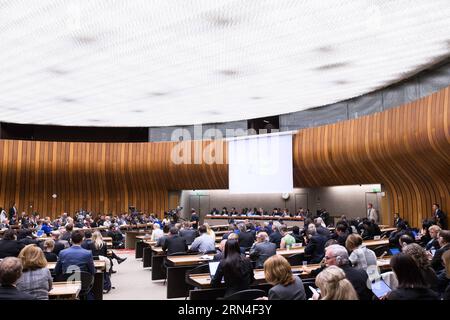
[{"x": 261, "y": 164}]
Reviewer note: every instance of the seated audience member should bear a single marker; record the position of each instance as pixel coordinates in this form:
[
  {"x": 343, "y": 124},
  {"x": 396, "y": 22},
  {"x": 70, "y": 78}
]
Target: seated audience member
[
  {"x": 420, "y": 256},
  {"x": 286, "y": 286},
  {"x": 340, "y": 234},
  {"x": 433, "y": 243},
  {"x": 287, "y": 241},
  {"x": 246, "y": 237},
  {"x": 362, "y": 257},
  {"x": 75, "y": 256},
  {"x": 369, "y": 229},
  {"x": 116, "y": 236},
  {"x": 174, "y": 243},
  {"x": 234, "y": 269},
  {"x": 156, "y": 233},
  {"x": 321, "y": 228},
  {"x": 411, "y": 284},
  {"x": 46, "y": 227},
  {"x": 275, "y": 236},
  {"x": 99, "y": 248},
  {"x": 334, "y": 285},
  {"x": 25, "y": 237},
  {"x": 203, "y": 243},
  {"x": 315, "y": 247},
  {"x": 67, "y": 235},
  {"x": 444, "y": 244},
  {"x": 337, "y": 255},
  {"x": 36, "y": 279},
  {"x": 161, "y": 240},
  {"x": 59, "y": 244},
  {"x": 9, "y": 246},
  {"x": 402, "y": 229},
  {"x": 425, "y": 236},
  {"x": 188, "y": 233},
  {"x": 268, "y": 227},
  {"x": 397, "y": 219},
  {"x": 404, "y": 240},
  {"x": 49, "y": 247},
  {"x": 87, "y": 242},
  {"x": 220, "y": 253},
  {"x": 444, "y": 277},
  {"x": 10, "y": 272},
  {"x": 262, "y": 249},
  {"x": 296, "y": 234}
]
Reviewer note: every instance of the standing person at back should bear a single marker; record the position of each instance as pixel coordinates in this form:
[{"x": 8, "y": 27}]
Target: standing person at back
[
  {"x": 194, "y": 219},
  {"x": 372, "y": 213},
  {"x": 439, "y": 216}
]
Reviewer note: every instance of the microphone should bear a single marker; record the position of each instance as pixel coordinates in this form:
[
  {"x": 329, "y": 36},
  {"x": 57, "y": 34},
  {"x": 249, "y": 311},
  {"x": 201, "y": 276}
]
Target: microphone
[{"x": 382, "y": 256}]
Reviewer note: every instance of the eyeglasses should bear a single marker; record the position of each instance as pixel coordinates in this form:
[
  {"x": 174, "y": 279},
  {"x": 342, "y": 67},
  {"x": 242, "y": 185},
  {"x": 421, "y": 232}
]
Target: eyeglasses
[{"x": 328, "y": 258}]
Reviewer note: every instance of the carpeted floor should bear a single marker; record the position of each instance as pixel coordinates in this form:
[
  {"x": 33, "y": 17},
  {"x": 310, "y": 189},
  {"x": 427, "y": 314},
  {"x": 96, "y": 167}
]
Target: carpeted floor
[{"x": 133, "y": 282}]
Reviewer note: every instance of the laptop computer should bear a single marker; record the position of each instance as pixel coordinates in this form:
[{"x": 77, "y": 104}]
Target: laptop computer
[
  {"x": 380, "y": 288},
  {"x": 213, "y": 268}
]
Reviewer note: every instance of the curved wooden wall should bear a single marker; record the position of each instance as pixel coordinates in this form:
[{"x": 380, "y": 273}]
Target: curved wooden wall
[{"x": 407, "y": 149}]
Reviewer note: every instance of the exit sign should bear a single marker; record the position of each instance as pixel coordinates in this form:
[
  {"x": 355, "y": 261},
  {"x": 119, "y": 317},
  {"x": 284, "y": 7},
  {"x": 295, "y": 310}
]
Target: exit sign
[{"x": 376, "y": 190}]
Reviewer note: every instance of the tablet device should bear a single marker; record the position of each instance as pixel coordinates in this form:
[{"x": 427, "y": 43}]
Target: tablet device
[
  {"x": 380, "y": 288},
  {"x": 394, "y": 251}
]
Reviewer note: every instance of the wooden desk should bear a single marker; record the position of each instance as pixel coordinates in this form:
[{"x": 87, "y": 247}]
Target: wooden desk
[
  {"x": 203, "y": 280},
  {"x": 376, "y": 243},
  {"x": 220, "y": 226},
  {"x": 388, "y": 229},
  {"x": 130, "y": 237},
  {"x": 97, "y": 289},
  {"x": 65, "y": 290}
]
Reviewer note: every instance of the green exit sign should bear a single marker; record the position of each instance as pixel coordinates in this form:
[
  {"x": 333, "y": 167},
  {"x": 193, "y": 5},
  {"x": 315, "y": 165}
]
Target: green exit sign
[{"x": 376, "y": 190}]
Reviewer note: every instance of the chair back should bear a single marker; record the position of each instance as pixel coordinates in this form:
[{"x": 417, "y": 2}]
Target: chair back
[
  {"x": 296, "y": 259},
  {"x": 250, "y": 294},
  {"x": 204, "y": 268}
]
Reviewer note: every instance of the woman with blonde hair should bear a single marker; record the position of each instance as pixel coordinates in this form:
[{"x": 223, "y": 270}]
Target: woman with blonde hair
[
  {"x": 36, "y": 279},
  {"x": 210, "y": 231},
  {"x": 286, "y": 286},
  {"x": 334, "y": 286}
]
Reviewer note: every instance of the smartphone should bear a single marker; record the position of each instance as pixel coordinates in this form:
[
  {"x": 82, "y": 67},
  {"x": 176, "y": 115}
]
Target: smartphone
[{"x": 313, "y": 290}]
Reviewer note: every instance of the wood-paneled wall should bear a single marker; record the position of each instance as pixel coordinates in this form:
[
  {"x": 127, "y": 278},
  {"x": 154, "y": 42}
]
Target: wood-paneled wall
[{"x": 407, "y": 149}]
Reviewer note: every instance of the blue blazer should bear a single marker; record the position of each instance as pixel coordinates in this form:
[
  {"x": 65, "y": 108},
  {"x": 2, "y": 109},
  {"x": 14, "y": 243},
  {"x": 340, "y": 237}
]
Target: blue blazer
[{"x": 73, "y": 257}]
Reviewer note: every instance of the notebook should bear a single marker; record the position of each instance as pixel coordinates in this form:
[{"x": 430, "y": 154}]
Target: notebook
[{"x": 380, "y": 288}]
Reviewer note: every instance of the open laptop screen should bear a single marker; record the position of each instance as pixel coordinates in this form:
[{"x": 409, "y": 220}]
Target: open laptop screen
[{"x": 213, "y": 268}]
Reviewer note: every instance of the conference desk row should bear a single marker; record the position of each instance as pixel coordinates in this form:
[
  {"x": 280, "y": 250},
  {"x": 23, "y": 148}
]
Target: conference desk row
[
  {"x": 203, "y": 290},
  {"x": 174, "y": 268},
  {"x": 97, "y": 289}
]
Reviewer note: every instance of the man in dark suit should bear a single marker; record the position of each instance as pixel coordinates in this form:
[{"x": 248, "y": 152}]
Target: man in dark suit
[
  {"x": 276, "y": 236},
  {"x": 9, "y": 246},
  {"x": 75, "y": 256},
  {"x": 174, "y": 243},
  {"x": 337, "y": 255},
  {"x": 59, "y": 244},
  {"x": 340, "y": 234},
  {"x": 262, "y": 249},
  {"x": 12, "y": 214},
  {"x": 440, "y": 217},
  {"x": 10, "y": 272},
  {"x": 195, "y": 219},
  {"x": 188, "y": 233},
  {"x": 321, "y": 229},
  {"x": 86, "y": 244},
  {"x": 314, "y": 250},
  {"x": 246, "y": 237},
  {"x": 444, "y": 243}
]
